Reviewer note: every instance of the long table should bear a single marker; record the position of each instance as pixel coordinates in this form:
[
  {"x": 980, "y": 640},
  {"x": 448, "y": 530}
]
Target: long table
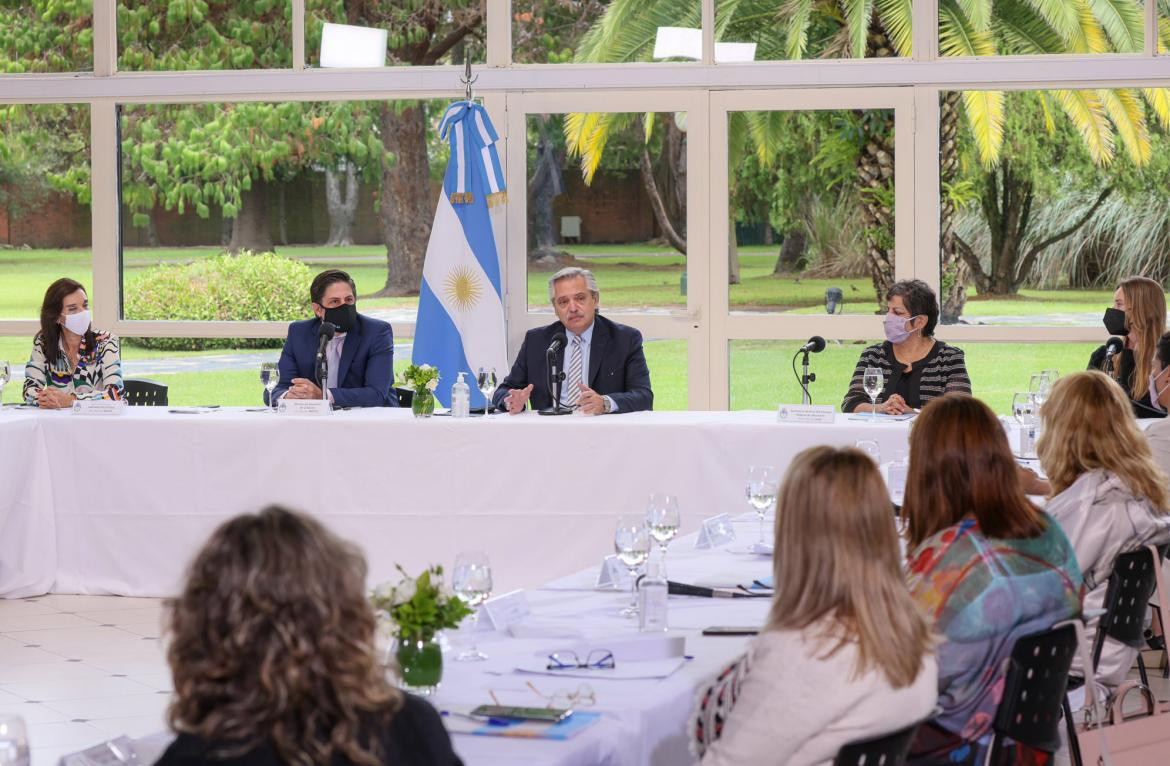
[{"x": 119, "y": 504}]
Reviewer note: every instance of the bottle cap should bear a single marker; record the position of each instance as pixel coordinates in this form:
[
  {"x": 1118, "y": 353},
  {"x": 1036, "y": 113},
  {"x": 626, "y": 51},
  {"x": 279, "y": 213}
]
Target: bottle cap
[{"x": 460, "y": 377}]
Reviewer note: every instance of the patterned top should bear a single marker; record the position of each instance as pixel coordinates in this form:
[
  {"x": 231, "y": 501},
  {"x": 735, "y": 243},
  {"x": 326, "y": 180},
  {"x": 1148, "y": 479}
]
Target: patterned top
[
  {"x": 98, "y": 374},
  {"x": 981, "y": 595},
  {"x": 940, "y": 372}
]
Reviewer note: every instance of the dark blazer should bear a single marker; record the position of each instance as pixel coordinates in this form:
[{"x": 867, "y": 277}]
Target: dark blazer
[
  {"x": 617, "y": 367},
  {"x": 414, "y": 737},
  {"x": 366, "y": 377}
]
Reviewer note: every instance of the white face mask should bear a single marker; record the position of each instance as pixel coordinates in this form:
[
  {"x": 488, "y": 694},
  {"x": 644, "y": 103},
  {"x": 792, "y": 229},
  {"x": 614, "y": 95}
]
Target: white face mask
[
  {"x": 77, "y": 323},
  {"x": 1155, "y": 392}
]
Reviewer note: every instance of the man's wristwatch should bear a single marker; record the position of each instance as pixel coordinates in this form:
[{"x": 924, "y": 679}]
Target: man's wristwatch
[{"x": 606, "y": 405}]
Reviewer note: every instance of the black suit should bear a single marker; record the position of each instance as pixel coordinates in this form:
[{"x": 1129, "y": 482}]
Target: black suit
[{"x": 617, "y": 367}]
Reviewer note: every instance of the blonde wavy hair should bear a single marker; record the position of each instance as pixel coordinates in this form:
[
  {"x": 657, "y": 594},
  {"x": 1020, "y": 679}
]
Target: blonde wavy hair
[
  {"x": 1089, "y": 424},
  {"x": 273, "y": 642},
  {"x": 1145, "y": 318},
  {"x": 837, "y": 560}
]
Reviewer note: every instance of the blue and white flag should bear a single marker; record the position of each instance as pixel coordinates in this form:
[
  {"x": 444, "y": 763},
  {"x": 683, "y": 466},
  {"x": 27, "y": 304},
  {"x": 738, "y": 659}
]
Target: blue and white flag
[{"x": 460, "y": 306}]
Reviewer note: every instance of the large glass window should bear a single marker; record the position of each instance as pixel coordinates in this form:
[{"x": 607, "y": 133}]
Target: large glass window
[
  {"x": 208, "y": 34},
  {"x": 605, "y": 31},
  {"x": 667, "y": 360},
  {"x": 1037, "y": 28},
  {"x": 770, "y": 30},
  {"x": 1048, "y": 200},
  {"x": 417, "y": 34},
  {"x": 46, "y": 36}
]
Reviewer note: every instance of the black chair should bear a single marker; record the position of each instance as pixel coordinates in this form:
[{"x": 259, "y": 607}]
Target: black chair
[
  {"x": 887, "y": 750},
  {"x": 140, "y": 392},
  {"x": 405, "y": 396},
  {"x": 1034, "y": 693}
]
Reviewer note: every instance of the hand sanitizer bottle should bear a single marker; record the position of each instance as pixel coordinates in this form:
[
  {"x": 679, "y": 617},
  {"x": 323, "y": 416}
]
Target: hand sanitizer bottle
[
  {"x": 460, "y": 399},
  {"x": 652, "y": 592}
]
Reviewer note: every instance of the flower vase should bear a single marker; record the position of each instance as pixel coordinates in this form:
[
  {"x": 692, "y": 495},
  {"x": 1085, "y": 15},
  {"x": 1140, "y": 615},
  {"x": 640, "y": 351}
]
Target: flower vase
[
  {"x": 423, "y": 403},
  {"x": 420, "y": 664}
]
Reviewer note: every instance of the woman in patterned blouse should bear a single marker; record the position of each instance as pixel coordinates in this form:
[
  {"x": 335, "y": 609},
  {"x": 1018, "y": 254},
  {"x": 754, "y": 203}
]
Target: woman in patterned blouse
[
  {"x": 70, "y": 360},
  {"x": 916, "y": 367}
]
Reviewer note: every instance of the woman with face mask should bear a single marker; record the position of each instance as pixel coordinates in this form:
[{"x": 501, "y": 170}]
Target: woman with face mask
[
  {"x": 1158, "y": 433},
  {"x": 916, "y": 367},
  {"x": 1137, "y": 318},
  {"x": 71, "y": 360}
]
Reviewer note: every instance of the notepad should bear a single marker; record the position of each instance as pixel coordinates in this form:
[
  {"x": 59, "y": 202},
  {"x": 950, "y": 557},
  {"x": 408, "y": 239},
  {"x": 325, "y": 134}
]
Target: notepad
[{"x": 565, "y": 729}]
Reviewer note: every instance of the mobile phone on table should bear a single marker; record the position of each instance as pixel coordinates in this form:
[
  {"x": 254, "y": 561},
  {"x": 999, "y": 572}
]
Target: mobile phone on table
[
  {"x": 730, "y": 630},
  {"x": 545, "y": 714}
]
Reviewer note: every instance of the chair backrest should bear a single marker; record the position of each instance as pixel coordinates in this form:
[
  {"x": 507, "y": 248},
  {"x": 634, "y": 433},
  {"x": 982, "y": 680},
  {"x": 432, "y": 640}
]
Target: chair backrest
[
  {"x": 1034, "y": 688},
  {"x": 887, "y": 750},
  {"x": 140, "y": 392},
  {"x": 1127, "y": 599}
]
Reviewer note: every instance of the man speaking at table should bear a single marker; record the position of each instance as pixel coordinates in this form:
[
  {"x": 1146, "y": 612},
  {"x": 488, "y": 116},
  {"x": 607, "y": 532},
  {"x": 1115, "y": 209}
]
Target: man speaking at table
[
  {"x": 604, "y": 366},
  {"x": 360, "y": 354}
]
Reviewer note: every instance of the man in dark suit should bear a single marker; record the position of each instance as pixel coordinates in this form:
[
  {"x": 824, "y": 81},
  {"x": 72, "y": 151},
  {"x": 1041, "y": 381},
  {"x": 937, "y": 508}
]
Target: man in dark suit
[
  {"x": 361, "y": 354},
  {"x": 605, "y": 368}
]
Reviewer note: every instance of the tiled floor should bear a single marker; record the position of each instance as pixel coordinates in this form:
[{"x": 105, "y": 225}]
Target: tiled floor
[{"x": 82, "y": 669}]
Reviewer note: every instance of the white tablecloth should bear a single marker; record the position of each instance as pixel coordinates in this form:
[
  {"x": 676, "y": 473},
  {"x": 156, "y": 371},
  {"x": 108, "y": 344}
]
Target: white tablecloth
[{"x": 119, "y": 504}]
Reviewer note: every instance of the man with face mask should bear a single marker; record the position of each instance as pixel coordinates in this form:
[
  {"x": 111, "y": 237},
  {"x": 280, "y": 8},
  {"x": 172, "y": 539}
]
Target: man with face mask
[{"x": 360, "y": 355}]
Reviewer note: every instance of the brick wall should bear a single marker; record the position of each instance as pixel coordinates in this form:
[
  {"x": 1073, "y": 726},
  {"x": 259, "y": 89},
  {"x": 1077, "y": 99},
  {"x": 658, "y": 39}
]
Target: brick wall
[{"x": 613, "y": 209}]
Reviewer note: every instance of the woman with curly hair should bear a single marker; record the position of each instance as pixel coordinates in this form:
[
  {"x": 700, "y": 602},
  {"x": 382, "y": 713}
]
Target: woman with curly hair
[{"x": 273, "y": 658}]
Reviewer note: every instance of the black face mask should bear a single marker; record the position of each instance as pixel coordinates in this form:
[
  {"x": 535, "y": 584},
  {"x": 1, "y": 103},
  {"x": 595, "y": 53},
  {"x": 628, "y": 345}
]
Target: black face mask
[
  {"x": 344, "y": 316},
  {"x": 1115, "y": 321}
]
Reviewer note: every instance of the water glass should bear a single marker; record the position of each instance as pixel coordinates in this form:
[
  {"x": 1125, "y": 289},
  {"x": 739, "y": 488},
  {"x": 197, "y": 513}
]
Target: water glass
[
  {"x": 486, "y": 381},
  {"x": 471, "y": 579},
  {"x": 871, "y": 448},
  {"x": 663, "y": 521},
  {"x": 873, "y": 381},
  {"x": 631, "y": 543},
  {"x": 5, "y": 376},
  {"x": 1039, "y": 386},
  {"x": 762, "y": 485},
  {"x": 269, "y": 376},
  {"x": 13, "y": 741},
  {"x": 1024, "y": 411}
]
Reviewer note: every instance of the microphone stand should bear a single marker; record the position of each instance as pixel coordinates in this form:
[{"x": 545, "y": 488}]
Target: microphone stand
[
  {"x": 323, "y": 366},
  {"x": 555, "y": 378},
  {"x": 806, "y": 378}
]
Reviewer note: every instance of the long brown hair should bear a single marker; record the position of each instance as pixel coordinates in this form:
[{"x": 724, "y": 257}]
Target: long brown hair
[
  {"x": 1089, "y": 424},
  {"x": 960, "y": 464},
  {"x": 51, "y": 308},
  {"x": 1145, "y": 319},
  {"x": 836, "y": 558},
  {"x": 273, "y": 641}
]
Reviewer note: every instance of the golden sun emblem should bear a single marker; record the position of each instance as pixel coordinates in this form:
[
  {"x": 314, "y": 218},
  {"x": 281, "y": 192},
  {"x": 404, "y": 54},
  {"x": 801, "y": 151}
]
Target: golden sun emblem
[{"x": 462, "y": 287}]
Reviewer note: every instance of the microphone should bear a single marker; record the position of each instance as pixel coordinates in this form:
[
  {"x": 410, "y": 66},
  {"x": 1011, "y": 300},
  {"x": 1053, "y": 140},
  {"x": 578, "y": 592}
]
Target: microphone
[
  {"x": 815, "y": 345},
  {"x": 1113, "y": 346},
  {"x": 327, "y": 330},
  {"x": 558, "y": 342}
]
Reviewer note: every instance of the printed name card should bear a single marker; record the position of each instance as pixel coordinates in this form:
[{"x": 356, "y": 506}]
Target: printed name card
[
  {"x": 896, "y": 480},
  {"x": 613, "y": 574},
  {"x": 716, "y": 531},
  {"x": 101, "y": 408},
  {"x": 805, "y": 413},
  {"x": 288, "y": 406},
  {"x": 502, "y": 612}
]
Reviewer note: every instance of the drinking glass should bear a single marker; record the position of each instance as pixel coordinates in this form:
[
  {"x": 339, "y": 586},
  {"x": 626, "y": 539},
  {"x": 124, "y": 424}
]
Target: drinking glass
[
  {"x": 762, "y": 485},
  {"x": 1024, "y": 411},
  {"x": 663, "y": 521},
  {"x": 269, "y": 376},
  {"x": 631, "y": 543},
  {"x": 472, "y": 581},
  {"x": 871, "y": 448},
  {"x": 13, "y": 741},
  {"x": 1053, "y": 375},
  {"x": 873, "y": 382},
  {"x": 486, "y": 380},
  {"x": 1039, "y": 386},
  {"x": 5, "y": 376}
]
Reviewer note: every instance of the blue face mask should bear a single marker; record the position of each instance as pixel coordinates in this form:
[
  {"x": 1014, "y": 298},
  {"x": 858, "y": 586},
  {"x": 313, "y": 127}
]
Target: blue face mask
[{"x": 895, "y": 328}]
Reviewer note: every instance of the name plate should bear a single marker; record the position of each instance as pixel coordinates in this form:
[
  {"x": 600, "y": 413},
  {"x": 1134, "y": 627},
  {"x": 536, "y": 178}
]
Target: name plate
[
  {"x": 613, "y": 574},
  {"x": 288, "y": 406},
  {"x": 101, "y": 408},
  {"x": 896, "y": 481},
  {"x": 502, "y": 612},
  {"x": 805, "y": 413},
  {"x": 716, "y": 531}
]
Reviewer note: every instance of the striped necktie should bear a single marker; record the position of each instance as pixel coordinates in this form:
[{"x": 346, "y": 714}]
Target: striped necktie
[{"x": 571, "y": 391}]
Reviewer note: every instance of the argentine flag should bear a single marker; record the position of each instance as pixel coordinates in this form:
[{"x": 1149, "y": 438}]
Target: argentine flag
[{"x": 460, "y": 306}]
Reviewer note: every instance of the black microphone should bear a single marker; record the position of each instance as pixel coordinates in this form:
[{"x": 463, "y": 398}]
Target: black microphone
[
  {"x": 558, "y": 342},
  {"x": 1112, "y": 346},
  {"x": 815, "y": 345}
]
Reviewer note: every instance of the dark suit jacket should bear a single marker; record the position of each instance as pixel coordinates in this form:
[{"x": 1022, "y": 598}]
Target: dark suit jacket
[
  {"x": 366, "y": 377},
  {"x": 617, "y": 366}
]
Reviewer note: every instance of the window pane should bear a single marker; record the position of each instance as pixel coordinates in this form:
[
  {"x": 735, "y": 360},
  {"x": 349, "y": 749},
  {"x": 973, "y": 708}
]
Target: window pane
[
  {"x": 417, "y": 34},
  {"x": 45, "y": 36},
  {"x": 812, "y": 207},
  {"x": 779, "y": 30},
  {"x": 310, "y": 181},
  {"x": 1163, "y": 27},
  {"x": 217, "y": 34},
  {"x": 605, "y": 31},
  {"x": 44, "y": 203},
  {"x": 617, "y": 208},
  {"x": 667, "y": 360},
  {"x": 1040, "y": 226},
  {"x": 1036, "y": 28}
]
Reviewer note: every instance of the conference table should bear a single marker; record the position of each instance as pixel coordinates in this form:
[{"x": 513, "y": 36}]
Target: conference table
[{"x": 119, "y": 504}]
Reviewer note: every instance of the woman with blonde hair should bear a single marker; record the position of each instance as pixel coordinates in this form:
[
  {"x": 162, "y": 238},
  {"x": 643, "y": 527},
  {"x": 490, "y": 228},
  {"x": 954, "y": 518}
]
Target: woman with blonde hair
[
  {"x": 845, "y": 654},
  {"x": 1138, "y": 316},
  {"x": 272, "y": 657},
  {"x": 986, "y": 566},
  {"x": 1107, "y": 492}
]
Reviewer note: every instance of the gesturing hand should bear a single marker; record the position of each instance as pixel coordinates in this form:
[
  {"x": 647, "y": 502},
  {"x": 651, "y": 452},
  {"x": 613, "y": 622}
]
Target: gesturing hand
[
  {"x": 589, "y": 401},
  {"x": 517, "y": 398}
]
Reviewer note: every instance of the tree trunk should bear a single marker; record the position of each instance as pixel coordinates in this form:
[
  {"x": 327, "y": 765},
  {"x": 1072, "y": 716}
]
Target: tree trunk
[
  {"x": 545, "y": 186},
  {"x": 732, "y": 254},
  {"x": 341, "y": 210},
  {"x": 405, "y": 204},
  {"x": 791, "y": 251},
  {"x": 675, "y": 149},
  {"x": 250, "y": 230},
  {"x": 875, "y": 176},
  {"x": 955, "y": 272},
  {"x": 769, "y": 232},
  {"x": 151, "y": 231},
  {"x": 281, "y": 215},
  {"x": 651, "y": 188}
]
